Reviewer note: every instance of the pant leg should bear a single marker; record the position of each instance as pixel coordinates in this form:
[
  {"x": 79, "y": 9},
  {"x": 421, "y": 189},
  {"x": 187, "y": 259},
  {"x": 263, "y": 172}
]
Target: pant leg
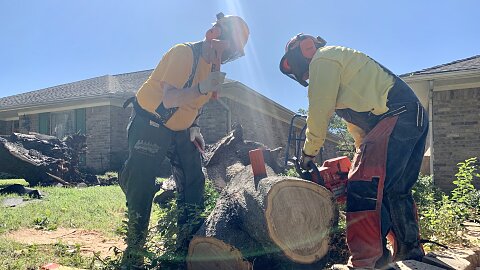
[
  {"x": 365, "y": 195},
  {"x": 405, "y": 154},
  {"x": 147, "y": 148},
  {"x": 190, "y": 181}
]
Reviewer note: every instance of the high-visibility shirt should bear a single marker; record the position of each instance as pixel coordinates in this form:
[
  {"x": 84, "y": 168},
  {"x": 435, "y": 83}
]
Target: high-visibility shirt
[
  {"x": 341, "y": 78},
  {"x": 175, "y": 69}
]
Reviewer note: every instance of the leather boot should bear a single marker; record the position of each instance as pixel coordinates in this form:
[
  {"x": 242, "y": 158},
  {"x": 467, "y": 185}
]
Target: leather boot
[{"x": 406, "y": 251}]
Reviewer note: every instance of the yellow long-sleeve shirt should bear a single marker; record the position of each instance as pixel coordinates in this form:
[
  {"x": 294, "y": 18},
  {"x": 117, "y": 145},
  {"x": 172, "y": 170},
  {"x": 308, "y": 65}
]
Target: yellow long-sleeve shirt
[{"x": 342, "y": 78}]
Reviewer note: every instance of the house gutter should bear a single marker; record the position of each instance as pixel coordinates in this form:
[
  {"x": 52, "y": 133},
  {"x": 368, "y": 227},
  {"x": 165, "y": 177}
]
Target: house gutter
[
  {"x": 430, "y": 124},
  {"x": 441, "y": 75},
  {"x": 229, "y": 114}
]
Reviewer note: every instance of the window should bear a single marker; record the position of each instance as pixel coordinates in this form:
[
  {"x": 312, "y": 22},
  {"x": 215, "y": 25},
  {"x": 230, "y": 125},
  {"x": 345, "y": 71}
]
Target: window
[
  {"x": 16, "y": 126},
  {"x": 64, "y": 123},
  {"x": 80, "y": 121},
  {"x": 44, "y": 123}
]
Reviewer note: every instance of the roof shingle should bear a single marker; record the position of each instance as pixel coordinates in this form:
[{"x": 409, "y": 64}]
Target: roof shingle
[
  {"x": 471, "y": 63},
  {"x": 100, "y": 86}
]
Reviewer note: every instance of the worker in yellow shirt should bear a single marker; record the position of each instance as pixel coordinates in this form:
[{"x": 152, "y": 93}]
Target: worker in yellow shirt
[
  {"x": 389, "y": 126},
  {"x": 164, "y": 123}
]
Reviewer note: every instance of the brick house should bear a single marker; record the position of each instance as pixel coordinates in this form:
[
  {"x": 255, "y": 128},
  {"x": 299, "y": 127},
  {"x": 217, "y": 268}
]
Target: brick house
[
  {"x": 94, "y": 107},
  {"x": 451, "y": 93}
]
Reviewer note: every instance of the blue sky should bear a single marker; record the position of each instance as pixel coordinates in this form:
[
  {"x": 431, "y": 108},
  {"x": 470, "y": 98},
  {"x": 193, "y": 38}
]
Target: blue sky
[{"x": 51, "y": 42}]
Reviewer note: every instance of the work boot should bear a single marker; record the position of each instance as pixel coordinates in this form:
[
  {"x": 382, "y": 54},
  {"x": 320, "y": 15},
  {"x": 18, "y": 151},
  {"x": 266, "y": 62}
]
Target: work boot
[
  {"x": 409, "y": 252},
  {"x": 386, "y": 258}
]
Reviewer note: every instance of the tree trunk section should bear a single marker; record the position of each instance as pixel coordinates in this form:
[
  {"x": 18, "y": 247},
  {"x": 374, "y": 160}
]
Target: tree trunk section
[{"x": 277, "y": 222}]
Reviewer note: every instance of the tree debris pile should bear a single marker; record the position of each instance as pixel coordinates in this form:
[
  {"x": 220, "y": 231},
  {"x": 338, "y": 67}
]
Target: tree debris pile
[
  {"x": 44, "y": 160},
  {"x": 229, "y": 156}
]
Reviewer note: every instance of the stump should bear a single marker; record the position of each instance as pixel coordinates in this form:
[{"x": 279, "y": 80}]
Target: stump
[{"x": 265, "y": 223}]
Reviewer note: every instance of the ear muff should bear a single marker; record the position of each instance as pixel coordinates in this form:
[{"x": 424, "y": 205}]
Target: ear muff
[
  {"x": 298, "y": 53},
  {"x": 213, "y": 33},
  {"x": 307, "y": 47}
]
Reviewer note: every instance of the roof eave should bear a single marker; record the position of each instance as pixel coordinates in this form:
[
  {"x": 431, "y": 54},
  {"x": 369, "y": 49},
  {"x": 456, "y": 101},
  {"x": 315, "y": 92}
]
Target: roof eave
[
  {"x": 121, "y": 95},
  {"x": 441, "y": 75}
]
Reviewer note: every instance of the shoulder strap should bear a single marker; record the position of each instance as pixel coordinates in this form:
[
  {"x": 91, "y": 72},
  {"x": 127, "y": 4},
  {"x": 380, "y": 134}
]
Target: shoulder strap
[
  {"x": 165, "y": 113},
  {"x": 197, "y": 52}
]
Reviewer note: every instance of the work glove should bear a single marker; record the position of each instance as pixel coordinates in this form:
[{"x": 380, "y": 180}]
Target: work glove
[
  {"x": 196, "y": 136},
  {"x": 212, "y": 83},
  {"x": 306, "y": 161}
]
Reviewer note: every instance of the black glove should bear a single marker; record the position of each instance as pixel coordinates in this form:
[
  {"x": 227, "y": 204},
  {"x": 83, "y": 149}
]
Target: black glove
[{"x": 305, "y": 161}]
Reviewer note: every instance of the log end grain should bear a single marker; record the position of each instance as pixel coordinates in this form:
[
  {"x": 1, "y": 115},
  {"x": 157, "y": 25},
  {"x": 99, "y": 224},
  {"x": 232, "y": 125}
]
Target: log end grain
[
  {"x": 300, "y": 216},
  {"x": 208, "y": 253}
]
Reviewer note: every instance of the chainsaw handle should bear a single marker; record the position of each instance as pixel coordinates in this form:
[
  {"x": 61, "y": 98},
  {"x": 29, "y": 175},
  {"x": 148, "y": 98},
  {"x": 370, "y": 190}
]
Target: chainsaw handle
[
  {"x": 314, "y": 170},
  {"x": 304, "y": 174},
  {"x": 308, "y": 174}
]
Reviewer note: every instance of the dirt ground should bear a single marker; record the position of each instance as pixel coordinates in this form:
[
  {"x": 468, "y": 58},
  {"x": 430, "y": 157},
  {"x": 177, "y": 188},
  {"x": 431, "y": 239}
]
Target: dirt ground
[
  {"x": 93, "y": 241},
  {"x": 89, "y": 241}
]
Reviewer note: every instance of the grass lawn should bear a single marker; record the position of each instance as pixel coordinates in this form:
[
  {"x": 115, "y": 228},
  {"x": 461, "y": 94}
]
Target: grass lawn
[{"x": 100, "y": 209}]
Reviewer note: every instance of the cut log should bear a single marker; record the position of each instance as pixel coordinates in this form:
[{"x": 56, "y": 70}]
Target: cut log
[{"x": 277, "y": 220}]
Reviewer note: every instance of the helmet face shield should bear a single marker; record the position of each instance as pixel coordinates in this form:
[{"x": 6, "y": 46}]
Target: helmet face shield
[
  {"x": 295, "y": 66},
  {"x": 236, "y": 32},
  {"x": 231, "y": 55}
]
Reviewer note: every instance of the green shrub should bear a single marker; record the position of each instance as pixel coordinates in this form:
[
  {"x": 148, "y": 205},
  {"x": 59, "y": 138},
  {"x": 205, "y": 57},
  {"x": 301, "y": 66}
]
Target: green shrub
[
  {"x": 441, "y": 215},
  {"x": 162, "y": 242},
  {"x": 425, "y": 193},
  {"x": 465, "y": 194},
  {"x": 290, "y": 172}
]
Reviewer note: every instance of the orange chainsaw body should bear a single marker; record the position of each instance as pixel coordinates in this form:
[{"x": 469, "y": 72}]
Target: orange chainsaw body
[{"x": 334, "y": 173}]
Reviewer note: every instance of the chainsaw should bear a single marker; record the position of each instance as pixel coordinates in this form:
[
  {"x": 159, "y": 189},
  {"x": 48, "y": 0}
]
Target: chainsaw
[{"x": 333, "y": 175}]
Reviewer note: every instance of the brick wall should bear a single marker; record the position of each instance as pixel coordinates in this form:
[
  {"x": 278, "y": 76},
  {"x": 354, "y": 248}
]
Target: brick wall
[
  {"x": 456, "y": 125},
  {"x": 118, "y": 132},
  {"x": 213, "y": 122},
  {"x": 98, "y": 132},
  {"x": 256, "y": 126}
]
